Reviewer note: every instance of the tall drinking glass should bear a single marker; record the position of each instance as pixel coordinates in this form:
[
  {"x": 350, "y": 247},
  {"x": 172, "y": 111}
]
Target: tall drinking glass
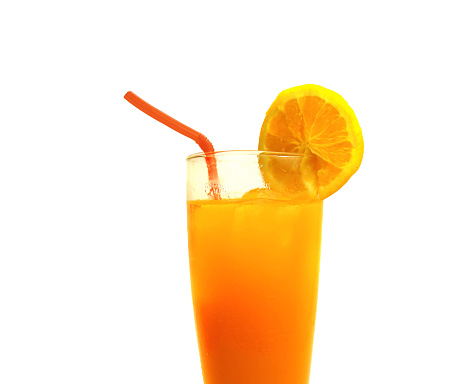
[{"x": 254, "y": 259}]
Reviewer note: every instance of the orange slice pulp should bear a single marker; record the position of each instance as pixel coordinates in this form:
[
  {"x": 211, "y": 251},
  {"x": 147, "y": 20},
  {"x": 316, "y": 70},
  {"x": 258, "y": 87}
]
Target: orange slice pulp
[{"x": 318, "y": 123}]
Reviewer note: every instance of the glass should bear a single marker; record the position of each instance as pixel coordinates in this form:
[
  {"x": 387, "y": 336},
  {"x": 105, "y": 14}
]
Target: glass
[{"x": 254, "y": 261}]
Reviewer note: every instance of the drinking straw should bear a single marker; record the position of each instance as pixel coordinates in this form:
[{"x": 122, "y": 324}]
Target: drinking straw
[{"x": 204, "y": 143}]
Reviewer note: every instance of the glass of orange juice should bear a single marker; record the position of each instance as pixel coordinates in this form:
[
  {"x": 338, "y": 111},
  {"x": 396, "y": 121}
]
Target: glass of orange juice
[{"x": 254, "y": 256}]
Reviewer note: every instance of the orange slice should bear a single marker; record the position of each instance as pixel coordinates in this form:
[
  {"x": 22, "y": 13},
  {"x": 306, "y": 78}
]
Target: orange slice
[{"x": 318, "y": 123}]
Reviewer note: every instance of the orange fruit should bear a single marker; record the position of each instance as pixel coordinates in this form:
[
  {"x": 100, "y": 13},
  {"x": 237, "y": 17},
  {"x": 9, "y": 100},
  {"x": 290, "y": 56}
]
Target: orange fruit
[{"x": 318, "y": 123}]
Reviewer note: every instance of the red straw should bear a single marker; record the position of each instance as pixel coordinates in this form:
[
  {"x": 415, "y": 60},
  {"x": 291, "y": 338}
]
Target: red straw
[{"x": 204, "y": 143}]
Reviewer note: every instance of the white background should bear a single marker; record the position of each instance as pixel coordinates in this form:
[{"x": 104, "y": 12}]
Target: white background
[{"x": 94, "y": 280}]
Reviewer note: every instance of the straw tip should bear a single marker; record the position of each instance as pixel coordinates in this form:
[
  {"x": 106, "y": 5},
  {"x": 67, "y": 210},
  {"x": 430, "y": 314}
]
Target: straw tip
[{"x": 128, "y": 95}]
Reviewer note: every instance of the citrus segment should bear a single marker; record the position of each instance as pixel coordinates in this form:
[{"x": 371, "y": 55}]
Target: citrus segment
[{"x": 318, "y": 123}]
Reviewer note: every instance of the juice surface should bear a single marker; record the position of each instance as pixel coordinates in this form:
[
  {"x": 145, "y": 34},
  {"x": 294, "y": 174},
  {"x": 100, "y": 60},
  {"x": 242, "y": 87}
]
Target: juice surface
[{"x": 254, "y": 268}]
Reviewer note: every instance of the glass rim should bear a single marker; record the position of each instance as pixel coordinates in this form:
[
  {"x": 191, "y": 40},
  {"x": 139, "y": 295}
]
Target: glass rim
[{"x": 248, "y": 152}]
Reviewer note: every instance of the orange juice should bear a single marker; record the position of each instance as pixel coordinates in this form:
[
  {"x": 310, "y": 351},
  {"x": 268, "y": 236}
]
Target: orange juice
[{"x": 254, "y": 268}]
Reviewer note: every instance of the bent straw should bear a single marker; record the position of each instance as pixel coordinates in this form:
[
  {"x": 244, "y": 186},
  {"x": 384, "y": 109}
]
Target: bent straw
[{"x": 204, "y": 143}]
